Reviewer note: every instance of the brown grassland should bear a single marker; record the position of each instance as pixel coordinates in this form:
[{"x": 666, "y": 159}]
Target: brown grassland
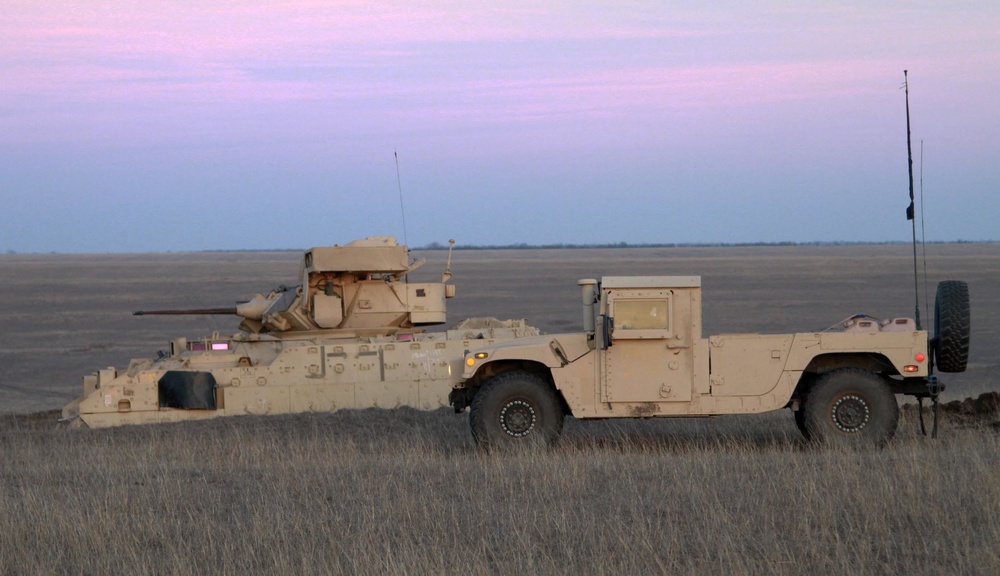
[{"x": 406, "y": 492}]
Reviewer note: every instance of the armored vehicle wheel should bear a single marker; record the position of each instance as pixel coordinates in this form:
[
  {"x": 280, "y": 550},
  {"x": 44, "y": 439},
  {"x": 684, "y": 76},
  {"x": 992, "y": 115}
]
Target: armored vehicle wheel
[
  {"x": 951, "y": 326},
  {"x": 515, "y": 408},
  {"x": 851, "y": 407}
]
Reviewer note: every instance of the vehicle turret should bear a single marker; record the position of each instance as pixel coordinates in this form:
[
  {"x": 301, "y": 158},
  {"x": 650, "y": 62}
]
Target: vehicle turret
[{"x": 357, "y": 289}]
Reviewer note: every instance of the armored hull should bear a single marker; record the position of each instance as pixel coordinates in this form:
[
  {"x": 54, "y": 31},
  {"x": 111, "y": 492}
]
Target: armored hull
[
  {"x": 243, "y": 374},
  {"x": 351, "y": 335}
]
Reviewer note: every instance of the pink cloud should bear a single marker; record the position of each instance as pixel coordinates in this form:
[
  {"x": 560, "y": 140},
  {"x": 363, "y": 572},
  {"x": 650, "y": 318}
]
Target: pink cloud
[{"x": 356, "y": 56}]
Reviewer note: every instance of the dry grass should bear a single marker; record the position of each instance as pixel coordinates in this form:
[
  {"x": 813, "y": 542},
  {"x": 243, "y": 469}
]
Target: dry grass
[{"x": 405, "y": 492}]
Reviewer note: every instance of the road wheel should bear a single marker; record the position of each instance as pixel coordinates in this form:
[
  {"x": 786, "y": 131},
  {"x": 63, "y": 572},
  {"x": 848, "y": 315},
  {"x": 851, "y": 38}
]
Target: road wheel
[
  {"x": 851, "y": 407},
  {"x": 951, "y": 326},
  {"x": 515, "y": 408}
]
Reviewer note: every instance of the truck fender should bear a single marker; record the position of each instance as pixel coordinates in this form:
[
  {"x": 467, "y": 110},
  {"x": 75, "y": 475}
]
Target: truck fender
[{"x": 552, "y": 351}]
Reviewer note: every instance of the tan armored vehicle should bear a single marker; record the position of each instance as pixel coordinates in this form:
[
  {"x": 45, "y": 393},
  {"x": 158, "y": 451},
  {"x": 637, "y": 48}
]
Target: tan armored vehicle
[
  {"x": 642, "y": 354},
  {"x": 349, "y": 336}
]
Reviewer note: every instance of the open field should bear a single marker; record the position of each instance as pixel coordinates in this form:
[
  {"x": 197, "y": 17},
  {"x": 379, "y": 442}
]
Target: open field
[
  {"x": 66, "y": 315},
  {"x": 406, "y": 492}
]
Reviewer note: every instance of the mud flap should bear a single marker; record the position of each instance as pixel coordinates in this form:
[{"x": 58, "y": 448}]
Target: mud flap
[{"x": 187, "y": 390}]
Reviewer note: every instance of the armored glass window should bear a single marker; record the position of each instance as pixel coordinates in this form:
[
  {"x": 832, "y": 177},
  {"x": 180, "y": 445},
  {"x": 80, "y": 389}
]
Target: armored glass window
[{"x": 642, "y": 317}]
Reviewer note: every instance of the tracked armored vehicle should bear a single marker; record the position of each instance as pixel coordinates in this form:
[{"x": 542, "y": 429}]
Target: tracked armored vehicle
[{"x": 350, "y": 335}]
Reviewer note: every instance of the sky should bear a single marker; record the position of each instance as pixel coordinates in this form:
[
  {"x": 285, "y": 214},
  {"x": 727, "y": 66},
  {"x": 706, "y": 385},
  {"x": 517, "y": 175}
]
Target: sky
[{"x": 150, "y": 126}]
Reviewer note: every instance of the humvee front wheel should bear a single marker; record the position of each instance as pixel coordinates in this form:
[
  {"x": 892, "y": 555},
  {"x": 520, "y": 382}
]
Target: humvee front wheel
[
  {"x": 515, "y": 408},
  {"x": 850, "y": 407},
  {"x": 800, "y": 422}
]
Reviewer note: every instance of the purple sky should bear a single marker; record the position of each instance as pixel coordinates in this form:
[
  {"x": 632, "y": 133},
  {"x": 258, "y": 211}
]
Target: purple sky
[{"x": 169, "y": 126}]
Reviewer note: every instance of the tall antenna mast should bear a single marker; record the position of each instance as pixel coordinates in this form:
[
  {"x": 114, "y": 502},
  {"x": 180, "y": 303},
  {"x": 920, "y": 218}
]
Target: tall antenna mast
[
  {"x": 399, "y": 184},
  {"x": 923, "y": 232},
  {"x": 910, "y": 209}
]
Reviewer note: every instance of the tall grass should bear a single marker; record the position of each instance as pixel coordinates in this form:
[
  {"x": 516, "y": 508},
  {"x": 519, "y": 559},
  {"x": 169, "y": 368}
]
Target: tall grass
[{"x": 406, "y": 492}]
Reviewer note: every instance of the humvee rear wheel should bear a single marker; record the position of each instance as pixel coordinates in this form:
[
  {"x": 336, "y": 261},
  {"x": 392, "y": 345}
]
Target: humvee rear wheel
[
  {"x": 515, "y": 408},
  {"x": 850, "y": 407}
]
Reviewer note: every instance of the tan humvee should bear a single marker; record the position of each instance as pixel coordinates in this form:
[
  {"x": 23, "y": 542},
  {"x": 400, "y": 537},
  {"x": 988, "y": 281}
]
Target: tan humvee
[
  {"x": 642, "y": 354},
  {"x": 349, "y": 336}
]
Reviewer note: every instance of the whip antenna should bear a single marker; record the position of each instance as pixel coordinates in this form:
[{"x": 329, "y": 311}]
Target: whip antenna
[
  {"x": 935, "y": 390},
  {"x": 399, "y": 185},
  {"x": 909, "y": 209},
  {"x": 923, "y": 232}
]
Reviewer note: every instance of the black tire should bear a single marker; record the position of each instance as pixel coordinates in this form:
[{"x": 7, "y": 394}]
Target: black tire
[
  {"x": 800, "y": 421},
  {"x": 952, "y": 323},
  {"x": 805, "y": 385},
  {"x": 851, "y": 407},
  {"x": 514, "y": 409}
]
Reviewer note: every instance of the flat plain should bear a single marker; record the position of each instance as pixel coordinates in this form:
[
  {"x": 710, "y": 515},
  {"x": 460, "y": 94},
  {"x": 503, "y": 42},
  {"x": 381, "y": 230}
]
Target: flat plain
[
  {"x": 67, "y": 315},
  {"x": 402, "y": 491}
]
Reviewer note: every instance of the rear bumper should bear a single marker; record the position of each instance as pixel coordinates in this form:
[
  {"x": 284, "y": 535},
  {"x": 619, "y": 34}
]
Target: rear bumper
[{"x": 924, "y": 387}]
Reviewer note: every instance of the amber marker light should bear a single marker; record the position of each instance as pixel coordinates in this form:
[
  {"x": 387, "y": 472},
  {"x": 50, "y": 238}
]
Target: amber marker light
[
  {"x": 470, "y": 361},
  {"x": 910, "y": 368}
]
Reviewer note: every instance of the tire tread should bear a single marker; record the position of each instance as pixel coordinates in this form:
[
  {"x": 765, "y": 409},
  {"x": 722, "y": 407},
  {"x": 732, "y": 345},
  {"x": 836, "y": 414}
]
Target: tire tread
[
  {"x": 875, "y": 392},
  {"x": 518, "y": 383},
  {"x": 952, "y": 325}
]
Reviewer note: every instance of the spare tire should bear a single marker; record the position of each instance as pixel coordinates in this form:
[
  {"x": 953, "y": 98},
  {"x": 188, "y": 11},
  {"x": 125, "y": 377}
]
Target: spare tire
[{"x": 952, "y": 324}]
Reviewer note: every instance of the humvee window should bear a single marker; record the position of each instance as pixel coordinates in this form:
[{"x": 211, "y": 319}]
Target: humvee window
[{"x": 641, "y": 315}]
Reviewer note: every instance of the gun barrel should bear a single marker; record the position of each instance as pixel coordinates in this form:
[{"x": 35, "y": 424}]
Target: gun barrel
[{"x": 200, "y": 311}]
